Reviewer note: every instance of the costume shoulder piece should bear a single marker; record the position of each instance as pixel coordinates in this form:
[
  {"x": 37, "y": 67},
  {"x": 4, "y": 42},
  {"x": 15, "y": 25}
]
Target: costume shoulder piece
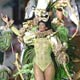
[{"x": 43, "y": 34}]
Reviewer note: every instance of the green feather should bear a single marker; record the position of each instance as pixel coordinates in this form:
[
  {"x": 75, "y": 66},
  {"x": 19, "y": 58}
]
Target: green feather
[{"x": 62, "y": 33}]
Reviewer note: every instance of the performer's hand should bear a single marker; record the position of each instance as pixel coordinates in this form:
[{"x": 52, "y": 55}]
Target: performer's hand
[
  {"x": 4, "y": 18},
  {"x": 62, "y": 58},
  {"x": 20, "y": 39},
  {"x": 11, "y": 22}
]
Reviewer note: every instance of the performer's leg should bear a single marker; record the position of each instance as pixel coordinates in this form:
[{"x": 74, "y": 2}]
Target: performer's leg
[
  {"x": 38, "y": 73},
  {"x": 50, "y": 72}
]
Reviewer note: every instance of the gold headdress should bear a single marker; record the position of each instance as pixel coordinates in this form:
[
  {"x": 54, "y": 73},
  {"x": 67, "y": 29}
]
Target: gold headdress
[{"x": 42, "y": 14}]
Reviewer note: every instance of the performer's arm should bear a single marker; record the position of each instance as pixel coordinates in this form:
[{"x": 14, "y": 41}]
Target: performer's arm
[{"x": 9, "y": 24}]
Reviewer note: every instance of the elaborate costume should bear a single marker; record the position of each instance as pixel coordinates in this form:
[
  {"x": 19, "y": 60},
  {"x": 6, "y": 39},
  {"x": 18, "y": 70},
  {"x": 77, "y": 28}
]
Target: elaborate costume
[
  {"x": 43, "y": 50},
  {"x": 45, "y": 42}
]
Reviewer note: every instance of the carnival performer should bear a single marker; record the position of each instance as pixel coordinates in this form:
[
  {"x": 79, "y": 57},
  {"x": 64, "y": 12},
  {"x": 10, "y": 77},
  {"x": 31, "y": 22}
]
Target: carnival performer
[
  {"x": 46, "y": 41},
  {"x": 43, "y": 45}
]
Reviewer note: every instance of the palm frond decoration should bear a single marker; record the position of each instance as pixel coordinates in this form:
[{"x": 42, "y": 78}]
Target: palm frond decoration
[
  {"x": 51, "y": 5},
  {"x": 27, "y": 64},
  {"x": 28, "y": 55},
  {"x": 5, "y": 40}
]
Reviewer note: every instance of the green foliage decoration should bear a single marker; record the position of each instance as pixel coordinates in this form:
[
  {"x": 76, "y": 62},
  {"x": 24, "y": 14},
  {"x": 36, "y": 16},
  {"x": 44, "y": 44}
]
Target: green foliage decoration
[{"x": 5, "y": 40}]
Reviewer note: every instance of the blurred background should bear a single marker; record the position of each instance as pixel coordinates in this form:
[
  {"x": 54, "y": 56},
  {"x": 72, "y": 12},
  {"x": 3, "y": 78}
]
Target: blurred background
[{"x": 13, "y": 8}]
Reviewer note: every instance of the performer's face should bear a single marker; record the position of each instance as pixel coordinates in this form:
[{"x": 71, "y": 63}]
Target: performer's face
[
  {"x": 59, "y": 14},
  {"x": 42, "y": 27}
]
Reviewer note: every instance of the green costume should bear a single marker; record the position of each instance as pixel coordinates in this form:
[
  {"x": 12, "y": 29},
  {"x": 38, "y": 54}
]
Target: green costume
[{"x": 43, "y": 50}]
